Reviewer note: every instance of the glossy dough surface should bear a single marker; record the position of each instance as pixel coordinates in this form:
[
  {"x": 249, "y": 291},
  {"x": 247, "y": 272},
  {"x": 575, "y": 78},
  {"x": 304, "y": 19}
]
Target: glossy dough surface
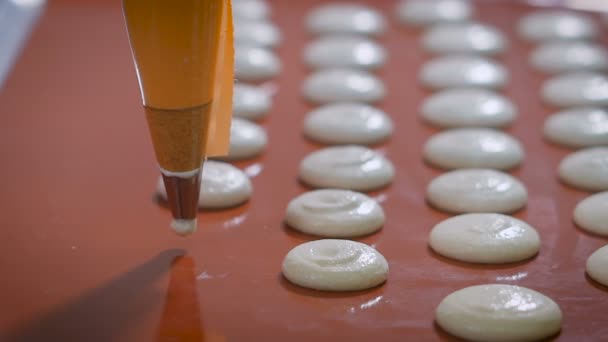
[
  {"x": 347, "y": 123},
  {"x": 335, "y": 213},
  {"x": 576, "y": 89},
  {"x": 497, "y": 312},
  {"x": 452, "y": 71},
  {"x": 557, "y": 57},
  {"x": 596, "y": 266},
  {"x": 586, "y": 169},
  {"x": 254, "y": 63},
  {"x": 250, "y": 102},
  {"x": 464, "y": 38},
  {"x": 431, "y": 12},
  {"x": 591, "y": 214},
  {"x": 578, "y": 127},
  {"x": 349, "y": 51},
  {"x": 247, "y": 140},
  {"x": 476, "y": 190},
  {"x": 343, "y": 85},
  {"x": 485, "y": 238},
  {"x": 468, "y": 107},
  {"x": 552, "y": 25},
  {"x": 473, "y": 148},
  {"x": 335, "y": 265},
  {"x": 346, "y": 167},
  {"x": 345, "y": 18}
]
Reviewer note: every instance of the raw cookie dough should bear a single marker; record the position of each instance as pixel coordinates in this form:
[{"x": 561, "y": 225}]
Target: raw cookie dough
[
  {"x": 222, "y": 186},
  {"x": 349, "y": 51},
  {"x": 253, "y": 63},
  {"x": 431, "y": 12},
  {"x": 345, "y": 18},
  {"x": 498, "y": 313},
  {"x": 250, "y": 10},
  {"x": 552, "y": 25},
  {"x": 343, "y": 85},
  {"x": 596, "y": 266},
  {"x": 347, "y": 123},
  {"x": 250, "y": 102},
  {"x": 346, "y": 167},
  {"x": 335, "y": 213},
  {"x": 463, "y": 71},
  {"x": 558, "y": 57},
  {"x": 473, "y": 148},
  {"x": 586, "y": 169},
  {"x": 464, "y": 38},
  {"x": 485, "y": 238},
  {"x": 468, "y": 107},
  {"x": 335, "y": 265},
  {"x": 477, "y": 191},
  {"x": 591, "y": 214},
  {"x": 578, "y": 127},
  {"x": 247, "y": 140},
  {"x": 583, "y": 88},
  {"x": 256, "y": 32}
]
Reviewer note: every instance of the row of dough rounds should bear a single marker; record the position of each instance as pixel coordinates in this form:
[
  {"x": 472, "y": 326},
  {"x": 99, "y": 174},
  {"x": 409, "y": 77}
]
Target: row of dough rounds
[
  {"x": 567, "y": 49},
  {"x": 342, "y": 57},
  {"x": 224, "y": 185},
  {"x": 469, "y": 108}
]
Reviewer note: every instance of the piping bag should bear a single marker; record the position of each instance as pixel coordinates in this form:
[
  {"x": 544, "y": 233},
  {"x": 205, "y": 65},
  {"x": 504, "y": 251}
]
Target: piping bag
[{"x": 184, "y": 57}]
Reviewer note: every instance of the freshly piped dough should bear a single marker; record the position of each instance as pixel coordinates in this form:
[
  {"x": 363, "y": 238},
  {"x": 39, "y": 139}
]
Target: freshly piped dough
[
  {"x": 578, "y": 127},
  {"x": 597, "y": 267},
  {"x": 343, "y": 85},
  {"x": 555, "y": 25},
  {"x": 256, "y": 32},
  {"x": 464, "y": 38},
  {"x": 347, "y": 123},
  {"x": 347, "y": 51},
  {"x": 558, "y": 57},
  {"x": 247, "y": 140},
  {"x": 586, "y": 169},
  {"x": 468, "y": 107},
  {"x": 463, "y": 71},
  {"x": 431, "y": 12},
  {"x": 498, "y": 313},
  {"x": 485, "y": 238},
  {"x": 335, "y": 265},
  {"x": 253, "y": 63},
  {"x": 222, "y": 186},
  {"x": 335, "y": 213},
  {"x": 345, "y": 18},
  {"x": 346, "y": 167},
  {"x": 476, "y": 190},
  {"x": 250, "y": 102},
  {"x": 577, "y": 89},
  {"x": 250, "y": 10},
  {"x": 591, "y": 214},
  {"x": 473, "y": 148}
]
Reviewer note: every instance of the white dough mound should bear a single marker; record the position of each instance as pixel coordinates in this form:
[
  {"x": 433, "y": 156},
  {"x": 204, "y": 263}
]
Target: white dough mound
[
  {"x": 597, "y": 266},
  {"x": 591, "y": 214},
  {"x": 335, "y": 265},
  {"x": 586, "y": 169}
]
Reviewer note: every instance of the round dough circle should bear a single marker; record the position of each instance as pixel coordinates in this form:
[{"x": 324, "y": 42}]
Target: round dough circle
[
  {"x": 586, "y": 169},
  {"x": 556, "y": 25},
  {"x": 464, "y": 38},
  {"x": 346, "y": 51},
  {"x": 558, "y": 57},
  {"x": 250, "y": 10},
  {"x": 591, "y": 215},
  {"x": 431, "y": 12},
  {"x": 468, "y": 107},
  {"x": 343, "y": 85},
  {"x": 345, "y": 18},
  {"x": 578, "y": 127},
  {"x": 335, "y": 265},
  {"x": 347, "y": 123},
  {"x": 256, "y": 32},
  {"x": 222, "y": 186},
  {"x": 247, "y": 140},
  {"x": 335, "y": 213},
  {"x": 473, "y": 148},
  {"x": 577, "y": 89},
  {"x": 463, "y": 71},
  {"x": 477, "y": 190},
  {"x": 596, "y": 266},
  {"x": 485, "y": 238},
  {"x": 346, "y": 167},
  {"x": 254, "y": 63},
  {"x": 499, "y": 312},
  {"x": 250, "y": 102}
]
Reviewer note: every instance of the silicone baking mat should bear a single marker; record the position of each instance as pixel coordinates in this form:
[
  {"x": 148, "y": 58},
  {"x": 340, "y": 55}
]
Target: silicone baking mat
[{"x": 87, "y": 254}]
